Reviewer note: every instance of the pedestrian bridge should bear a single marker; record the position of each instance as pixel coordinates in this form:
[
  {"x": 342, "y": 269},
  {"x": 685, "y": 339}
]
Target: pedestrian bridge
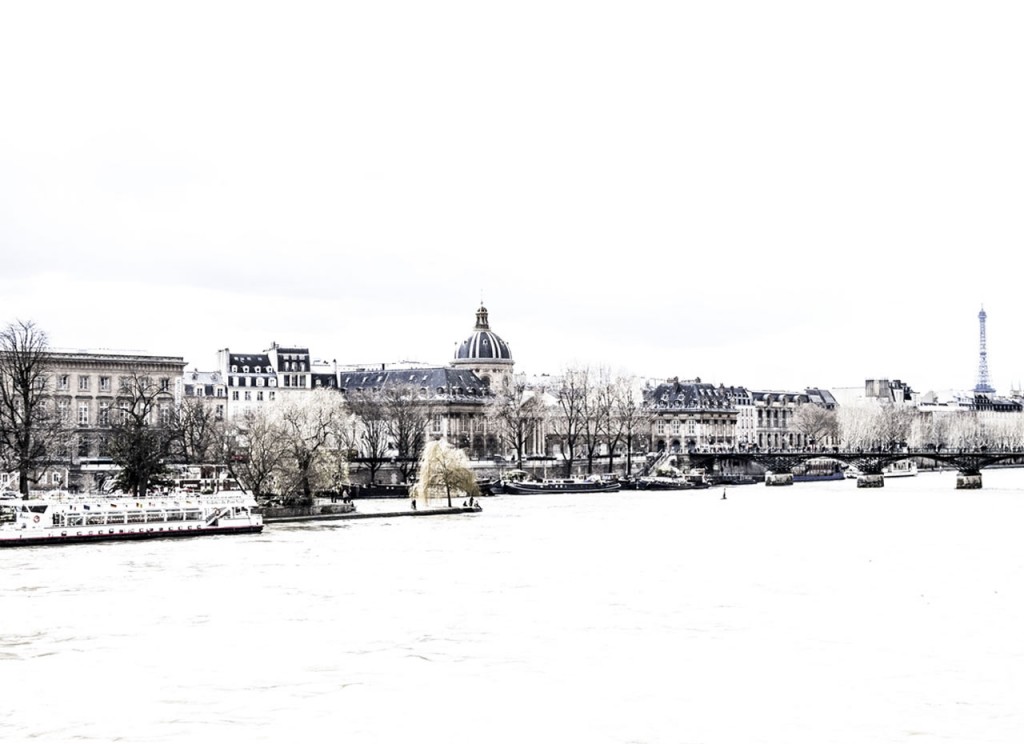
[{"x": 968, "y": 462}]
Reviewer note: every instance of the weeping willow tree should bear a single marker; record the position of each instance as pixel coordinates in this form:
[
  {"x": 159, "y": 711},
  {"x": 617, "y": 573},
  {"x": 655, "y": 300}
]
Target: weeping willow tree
[{"x": 443, "y": 469}]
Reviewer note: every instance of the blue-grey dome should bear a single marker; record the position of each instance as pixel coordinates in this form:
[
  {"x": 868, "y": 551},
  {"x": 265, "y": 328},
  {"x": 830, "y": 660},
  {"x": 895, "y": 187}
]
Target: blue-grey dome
[{"x": 484, "y": 344}]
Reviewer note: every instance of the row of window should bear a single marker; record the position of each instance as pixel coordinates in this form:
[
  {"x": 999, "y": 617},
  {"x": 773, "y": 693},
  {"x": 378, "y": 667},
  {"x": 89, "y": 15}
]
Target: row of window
[
  {"x": 248, "y": 395},
  {"x": 253, "y": 381},
  {"x": 76, "y": 519},
  {"x": 199, "y": 391},
  {"x": 103, "y": 413},
  {"x": 104, "y": 382},
  {"x": 268, "y": 370}
]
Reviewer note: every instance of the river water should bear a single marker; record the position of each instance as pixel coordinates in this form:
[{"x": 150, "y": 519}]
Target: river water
[{"x": 813, "y": 613}]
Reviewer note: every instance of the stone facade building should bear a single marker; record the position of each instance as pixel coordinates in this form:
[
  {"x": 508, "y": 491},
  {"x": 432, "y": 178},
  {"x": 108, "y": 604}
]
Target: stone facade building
[
  {"x": 695, "y": 415},
  {"x": 691, "y": 414},
  {"x": 85, "y": 388}
]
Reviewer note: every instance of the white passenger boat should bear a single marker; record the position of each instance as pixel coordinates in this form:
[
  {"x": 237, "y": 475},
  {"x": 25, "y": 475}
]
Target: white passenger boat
[
  {"x": 900, "y": 469},
  {"x": 62, "y": 518}
]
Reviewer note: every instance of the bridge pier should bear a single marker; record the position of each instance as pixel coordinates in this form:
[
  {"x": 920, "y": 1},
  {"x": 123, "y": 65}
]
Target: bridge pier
[
  {"x": 778, "y": 479},
  {"x": 968, "y": 480},
  {"x": 870, "y": 480}
]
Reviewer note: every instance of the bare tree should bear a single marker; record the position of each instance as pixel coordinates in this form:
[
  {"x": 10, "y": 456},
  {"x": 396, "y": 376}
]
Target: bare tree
[
  {"x": 199, "y": 431},
  {"x": 254, "y": 451},
  {"x": 343, "y": 448},
  {"x": 28, "y": 426},
  {"x": 597, "y": 409},
  {"x": 857, "y": 426},
  {"x": 406, "y": 426},
  {"x": 816, "y": 423},
  {"x": 308, "y": 426},
  {"x": 894, "y": 425},
  {"x": 876, "y": 425},
  {"x": 141, "y": 433},
  {"x": 933, "y": 430},
  {"x": 568, "y": 425},
  {"x": 517, "y": 413},
  {"x": 373, "y": 429},
  {"x": 967, "y": 431},
  {"x": 627, "y": 415}
]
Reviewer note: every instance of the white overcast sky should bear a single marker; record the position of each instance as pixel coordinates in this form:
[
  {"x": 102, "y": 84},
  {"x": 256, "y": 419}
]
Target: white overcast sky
[{"x": 769, "y": 194}]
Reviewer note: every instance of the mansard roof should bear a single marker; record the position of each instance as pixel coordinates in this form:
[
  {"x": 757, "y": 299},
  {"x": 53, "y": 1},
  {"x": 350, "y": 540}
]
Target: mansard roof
[
  {"x": 250, "y": 360},
  {"x": 208, "y": 382},
  {"x": 822, "y": 398},
  {"x": 447, "y": 382},
  {"x": 779, "y": 396},
  {"x": 694, "y": 394}
]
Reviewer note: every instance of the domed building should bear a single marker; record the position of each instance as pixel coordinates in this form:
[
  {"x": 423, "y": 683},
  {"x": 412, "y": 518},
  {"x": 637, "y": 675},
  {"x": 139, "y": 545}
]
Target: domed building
[{"x": 486, "y": 353}]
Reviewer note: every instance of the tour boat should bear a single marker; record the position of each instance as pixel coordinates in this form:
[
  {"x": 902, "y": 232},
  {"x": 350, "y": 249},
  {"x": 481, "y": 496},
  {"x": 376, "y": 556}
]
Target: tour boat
[
  {"x": 61, "y": 518},
  {"x": 562, "y": 485},
  {"x": 900, "y": 469}
]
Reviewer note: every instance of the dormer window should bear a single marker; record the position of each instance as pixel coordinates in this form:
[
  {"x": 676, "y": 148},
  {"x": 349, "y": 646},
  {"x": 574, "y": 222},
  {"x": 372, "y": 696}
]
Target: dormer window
[{"x": 234, "y": 367}]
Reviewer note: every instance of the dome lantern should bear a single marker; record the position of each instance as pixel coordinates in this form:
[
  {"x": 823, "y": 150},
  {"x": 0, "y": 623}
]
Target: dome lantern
[{"x": 485, "y": 351}]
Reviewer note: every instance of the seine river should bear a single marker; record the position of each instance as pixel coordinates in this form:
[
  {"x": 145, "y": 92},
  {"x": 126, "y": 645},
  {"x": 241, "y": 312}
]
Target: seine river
[{"x": 816, "y": 613}]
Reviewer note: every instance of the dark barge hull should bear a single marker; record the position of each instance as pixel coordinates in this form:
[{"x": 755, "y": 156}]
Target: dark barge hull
[{"x": 521, "y": 488}]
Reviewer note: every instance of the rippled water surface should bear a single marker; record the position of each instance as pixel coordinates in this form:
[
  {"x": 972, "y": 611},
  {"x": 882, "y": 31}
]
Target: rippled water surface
[{"x": 814, "y": 613}]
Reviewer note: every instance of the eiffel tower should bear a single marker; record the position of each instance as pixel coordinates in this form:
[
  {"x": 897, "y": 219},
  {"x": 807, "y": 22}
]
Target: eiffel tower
[{"x": 983, "y": 385}]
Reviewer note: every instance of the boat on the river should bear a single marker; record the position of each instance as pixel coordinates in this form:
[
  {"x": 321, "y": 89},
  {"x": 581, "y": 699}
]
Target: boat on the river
[
  {"x": 60, "y": 518},
  {"x": 819, "y": 469},
  {"x": 562, "y": 485},
  {"x": 695, "y": 478},
  {"x": 900, "y": 469},
  {"x": 665, "y": 483}
]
